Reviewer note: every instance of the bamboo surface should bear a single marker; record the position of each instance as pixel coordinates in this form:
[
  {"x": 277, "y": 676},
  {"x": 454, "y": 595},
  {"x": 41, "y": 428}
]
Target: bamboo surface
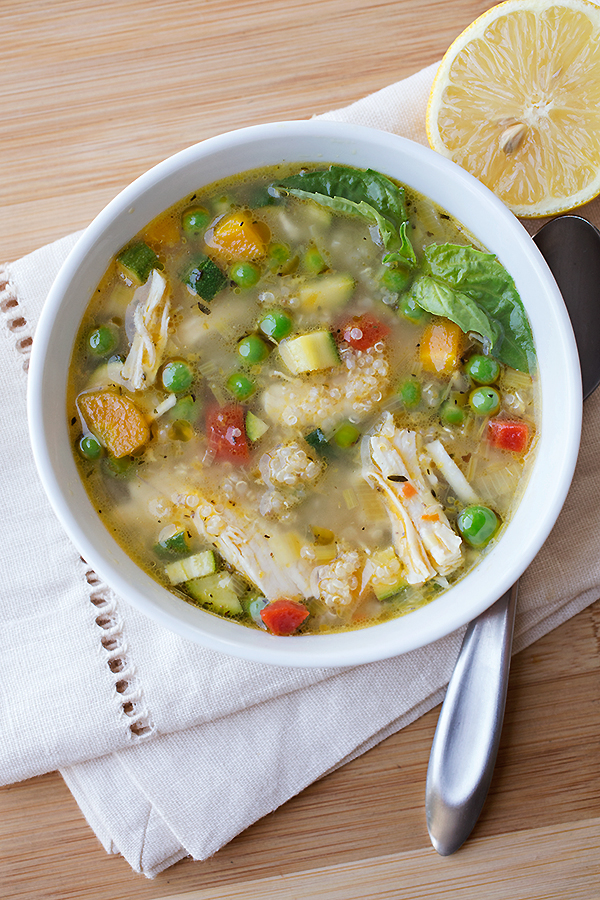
[{"x": 92, "y": 94}]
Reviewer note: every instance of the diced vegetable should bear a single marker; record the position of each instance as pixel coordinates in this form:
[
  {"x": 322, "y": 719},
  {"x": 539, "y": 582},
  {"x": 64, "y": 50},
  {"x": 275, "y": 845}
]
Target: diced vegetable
[
  {"x": 253, "y": 349},
  {"x": 313, "y": 261},
  {"x": 387, "y": 579},
  {"x": 478, "y": 525},
  {"x": 363, "y": 332},
  {"x": 327, "y": 292},
  {"x": 196, "y": 566},
  {"x": 185, "y": 408},
  {"x": 176, "y": 376},
  {"x": 164, "y": 230},
  {"x": 115, "y": 420},
  {"x": 239, "y": 237},
  {"x": 317, "y": 440},
  {"x": 310, "y": 352},
  {"x": 485, "y": 401},
  {"x": 255, "y": 427},
  {"x": 137, "y": 261},
  {"x": 508, "y": 435},
  {"x": 216, "y": 591},
  {"x": 175, "y": 543},
  {"x": 284, "y": 617},
  {"x": 440, "y": 346},
  {"x": 226, "y": 430},
  {"x": 204, "y": 278}
]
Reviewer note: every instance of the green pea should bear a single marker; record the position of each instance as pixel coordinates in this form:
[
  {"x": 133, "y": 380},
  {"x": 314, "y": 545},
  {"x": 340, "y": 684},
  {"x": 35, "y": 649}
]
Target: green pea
[
  {"x": 410, "y": 393},
  {"x": 195, "y": 220},
  {"x": 244, "y": 274},
  {"x": 121, "y": 467},
  {"x": 482, "y": 369},
  {"x": 90, "y": 447},
  {"x": 276, "y": 324},
  {"x": 346, "y": 435},
  {"x": 451, "y": 413},
  {"x": 279, "y": 253},
  {"x": 102, "y": 340},
  {"x": 396, "y": 280},
  {"x": 409, "y": 309},
  {"x": 176, "y": 376},
  {"x": 252, "y": 349},
  {"x": 485, "y": 401},
  {"x": 478, "y": 525},
  {"x": 240, "y": 386},
  {"x": 313, "y": 261},
  {"x": 185, "y": 408}
]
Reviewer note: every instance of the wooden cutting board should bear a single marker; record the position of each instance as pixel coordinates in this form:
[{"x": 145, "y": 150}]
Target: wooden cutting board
[{"x": 91, "y": 95}]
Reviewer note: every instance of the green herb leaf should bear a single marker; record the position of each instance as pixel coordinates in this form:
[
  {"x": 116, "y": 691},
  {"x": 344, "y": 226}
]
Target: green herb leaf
[
  {"x": 476, "y": 292},
  {"x": 357, "y": 192},
  {"x": 405, "y": 255}
]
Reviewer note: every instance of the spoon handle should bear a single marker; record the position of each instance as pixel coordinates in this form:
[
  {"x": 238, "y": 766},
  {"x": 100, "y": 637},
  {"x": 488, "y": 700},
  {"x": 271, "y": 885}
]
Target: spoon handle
[{"x": 465, "y": 744}]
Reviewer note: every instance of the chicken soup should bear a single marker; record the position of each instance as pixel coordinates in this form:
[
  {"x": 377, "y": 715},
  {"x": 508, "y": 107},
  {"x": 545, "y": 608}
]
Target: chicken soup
[{"x": 305, "y": 399}]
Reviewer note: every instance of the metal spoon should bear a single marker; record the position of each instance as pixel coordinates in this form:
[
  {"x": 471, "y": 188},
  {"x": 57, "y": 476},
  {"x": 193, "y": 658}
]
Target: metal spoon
[{"x": 465, "y": 744}]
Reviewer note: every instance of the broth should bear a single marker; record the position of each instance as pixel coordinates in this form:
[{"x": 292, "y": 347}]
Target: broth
[{"x": 304, "y": 399}]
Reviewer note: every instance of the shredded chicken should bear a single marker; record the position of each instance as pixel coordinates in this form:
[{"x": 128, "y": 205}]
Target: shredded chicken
[
  {"x": 152, "y": 305},
  {"x": 423, "y": 537},
  {"x": 241, "y": 539},
  {"x": 354, "y": 389}
]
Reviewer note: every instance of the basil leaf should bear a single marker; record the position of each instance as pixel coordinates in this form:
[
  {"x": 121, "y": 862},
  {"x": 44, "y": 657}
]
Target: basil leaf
[
  {"x": 473, "y": 279},
  {"x": 440, "y": 299},
  {"x": 355, "y": 191},
  {"x": 405, "y": 254}
]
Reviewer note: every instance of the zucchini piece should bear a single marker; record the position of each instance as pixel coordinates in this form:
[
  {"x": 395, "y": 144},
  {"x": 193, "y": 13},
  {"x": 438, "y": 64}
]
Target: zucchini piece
[
  {"x": 255, "y": 427},
  {"x": 389, "y": 581},
  {"x": 203, "y": 277},
  {"x": 310, "y": 352},
  {"x": 177, "y": 544},
  {"x": 196, "y": 566},
  {"x": 317, "y": 440},
  {"x": 327, "y": 292},
  {"x": 217, "y": 592},
  {"x": 137, "y": 261}
]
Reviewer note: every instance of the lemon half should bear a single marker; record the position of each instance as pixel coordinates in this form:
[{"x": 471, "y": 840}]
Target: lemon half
[{"x": 516, "y": 102}]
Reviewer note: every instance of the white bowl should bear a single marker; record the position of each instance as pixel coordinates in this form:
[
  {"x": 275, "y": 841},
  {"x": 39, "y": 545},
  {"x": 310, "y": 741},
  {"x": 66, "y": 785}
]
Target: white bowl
[{"x": 312, "y": 142}]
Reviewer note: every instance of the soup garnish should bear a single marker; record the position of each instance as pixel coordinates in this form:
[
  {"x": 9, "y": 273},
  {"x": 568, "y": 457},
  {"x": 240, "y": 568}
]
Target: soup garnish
[{"x": 304, "y": 399}]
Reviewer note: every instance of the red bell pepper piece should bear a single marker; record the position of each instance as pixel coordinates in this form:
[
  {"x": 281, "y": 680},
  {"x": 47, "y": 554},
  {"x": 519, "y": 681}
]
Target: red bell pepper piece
[
  {"x": 283, "y": 617},
  {"x": 362, "y": 332},
  {"x": 508, "y": 435},
  {"x": 226, "y": 431}
]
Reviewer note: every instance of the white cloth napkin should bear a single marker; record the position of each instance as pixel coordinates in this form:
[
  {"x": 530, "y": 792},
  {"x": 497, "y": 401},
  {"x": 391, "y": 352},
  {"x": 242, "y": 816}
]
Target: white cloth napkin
[{"x": 169, "y": 749}]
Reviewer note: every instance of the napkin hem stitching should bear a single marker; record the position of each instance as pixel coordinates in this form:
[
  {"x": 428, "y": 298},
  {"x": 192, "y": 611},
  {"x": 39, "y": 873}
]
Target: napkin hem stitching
[{"x": 13, "y": 318}]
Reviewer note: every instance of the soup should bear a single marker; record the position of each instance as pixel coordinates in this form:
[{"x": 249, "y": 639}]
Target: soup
[{"x": 305, "y": 399}]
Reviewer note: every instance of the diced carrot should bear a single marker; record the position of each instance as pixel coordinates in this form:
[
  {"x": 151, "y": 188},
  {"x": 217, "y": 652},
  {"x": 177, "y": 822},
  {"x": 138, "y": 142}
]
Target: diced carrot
[
  {"x": 115, "y": 420},
  {"x": 440, "y": 347},
  {"x": 408, "y": 490},
  {"x": 237, "y": 236},
  {"x": 164, "y": 230},
  {"x": 284, "y": 617},
  {"x": 512, "y": 435},
  {"x": 430, "y": 517}
]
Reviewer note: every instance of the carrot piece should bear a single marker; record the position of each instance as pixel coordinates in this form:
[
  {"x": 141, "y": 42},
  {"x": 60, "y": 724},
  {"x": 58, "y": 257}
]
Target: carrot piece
[
  {"x": 430, "y": 517},
  {"x": 115, "y": 420},
  {"x": 440, "y": 347},
  {"x": 237, "y": 236},
  {"x": 408, "y": 490},
  {"x": 284, "y": 617}
]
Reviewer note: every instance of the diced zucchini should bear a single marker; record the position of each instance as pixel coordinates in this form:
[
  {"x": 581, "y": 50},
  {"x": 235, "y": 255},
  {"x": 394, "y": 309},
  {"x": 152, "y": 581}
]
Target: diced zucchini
[
  {"x": 217, "y": 592},
  {"x": 390, "y": 581},
  {"x": 317, "y": 440},
  {"x": 176, "y": 544},
  {"x": 310, "y": 352},
  {"x": 327, "y": 292},
  {"x": 255, "y": 427},
  {"x": 137, "y": 261},
  {"x": 196, "y": 566},
  {"x": 203, "y": 277}
]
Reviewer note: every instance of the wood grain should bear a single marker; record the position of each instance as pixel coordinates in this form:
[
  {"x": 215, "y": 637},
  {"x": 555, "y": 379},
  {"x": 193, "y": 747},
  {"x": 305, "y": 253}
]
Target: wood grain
[{"x": 94, "y": 93}]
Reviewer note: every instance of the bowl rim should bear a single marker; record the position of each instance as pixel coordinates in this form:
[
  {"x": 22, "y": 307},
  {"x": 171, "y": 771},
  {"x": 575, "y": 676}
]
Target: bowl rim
[{"x": 437, "y": 619}]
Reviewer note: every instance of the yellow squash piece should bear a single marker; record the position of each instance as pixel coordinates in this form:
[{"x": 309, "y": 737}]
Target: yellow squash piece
[
  {"x": 238, "y": 236},
  {"x": 440, "y": 346},
  {"x": 516, "y": 102},
  {"x": 115, "y": 420}
]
